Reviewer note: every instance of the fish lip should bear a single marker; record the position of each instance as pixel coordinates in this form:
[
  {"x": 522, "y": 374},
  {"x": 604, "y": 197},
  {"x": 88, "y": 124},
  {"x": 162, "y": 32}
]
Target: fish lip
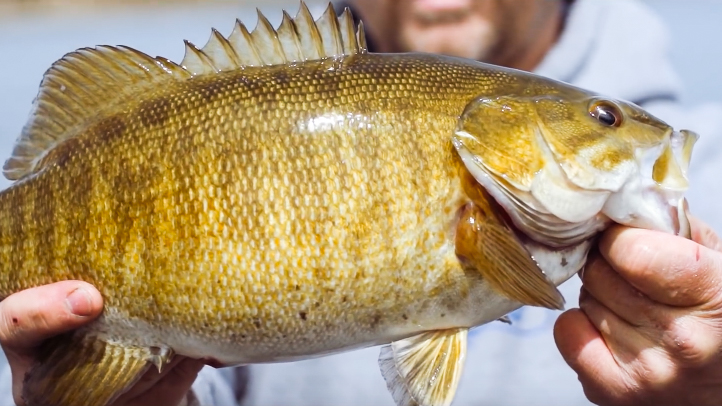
[
  {"x": 688, "y": 138},
  {"x": 655, "y": 200}
]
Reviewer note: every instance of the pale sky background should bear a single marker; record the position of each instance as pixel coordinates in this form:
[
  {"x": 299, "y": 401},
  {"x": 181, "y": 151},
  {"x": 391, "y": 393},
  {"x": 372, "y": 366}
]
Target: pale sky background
[{"x": 30, "y": 43}]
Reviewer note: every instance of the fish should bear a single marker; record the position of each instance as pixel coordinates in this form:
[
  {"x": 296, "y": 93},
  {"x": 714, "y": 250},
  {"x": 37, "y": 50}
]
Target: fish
[{"x": 283, "y": 193}]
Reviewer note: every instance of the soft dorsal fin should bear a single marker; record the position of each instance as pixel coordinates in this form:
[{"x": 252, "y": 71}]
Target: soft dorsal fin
[
  {"x": 76, "y": 90},
  {"x": 79, "y": 88}
]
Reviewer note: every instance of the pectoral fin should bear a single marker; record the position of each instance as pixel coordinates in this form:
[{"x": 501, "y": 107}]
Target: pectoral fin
[
  {"x": 424, "y": 370},
  {"x": 486, "y": 244},
  {"x": 79, "y": 370}
]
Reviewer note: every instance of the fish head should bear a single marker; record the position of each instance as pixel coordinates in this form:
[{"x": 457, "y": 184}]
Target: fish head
[{"x": 565, "y": 163}]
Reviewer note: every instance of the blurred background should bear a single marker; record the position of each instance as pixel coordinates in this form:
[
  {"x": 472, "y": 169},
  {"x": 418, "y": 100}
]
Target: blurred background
[{"x": 35, "y": 33}]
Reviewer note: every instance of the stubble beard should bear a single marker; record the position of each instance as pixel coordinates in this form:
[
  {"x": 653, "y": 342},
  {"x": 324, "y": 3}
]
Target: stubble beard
[{"x": 472, "y": 38}]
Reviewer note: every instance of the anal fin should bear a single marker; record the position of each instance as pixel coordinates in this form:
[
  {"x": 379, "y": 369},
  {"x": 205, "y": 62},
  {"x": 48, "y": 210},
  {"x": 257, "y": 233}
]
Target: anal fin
[
  {"x": 81, "y": 370},
  {"x": 424, "y": 370}
]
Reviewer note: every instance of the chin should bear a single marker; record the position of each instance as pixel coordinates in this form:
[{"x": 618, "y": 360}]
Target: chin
[
  {"x": 470, "y": 51},
  {"x": 473, "y": 42}
]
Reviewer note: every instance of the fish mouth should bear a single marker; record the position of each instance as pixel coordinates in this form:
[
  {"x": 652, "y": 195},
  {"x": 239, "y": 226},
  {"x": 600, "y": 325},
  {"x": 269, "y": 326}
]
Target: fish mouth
[
  {"x": 563, "y": 215},
  {"x": 654, "y": 199}
]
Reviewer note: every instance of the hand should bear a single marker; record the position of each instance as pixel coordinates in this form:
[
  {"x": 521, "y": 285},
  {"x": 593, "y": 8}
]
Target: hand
[
  {"x": 649, "y": 331},
  {"x": 31, "y": 316}
]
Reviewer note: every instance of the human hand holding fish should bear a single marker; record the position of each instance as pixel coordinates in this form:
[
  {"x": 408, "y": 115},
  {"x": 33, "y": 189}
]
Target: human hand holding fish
[
  {"x": 31, "y": 316},
  {"x": 649, "y": 331}
]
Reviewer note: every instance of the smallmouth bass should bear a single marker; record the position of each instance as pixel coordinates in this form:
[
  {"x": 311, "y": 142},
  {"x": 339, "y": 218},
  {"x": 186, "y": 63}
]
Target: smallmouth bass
[{"x": 284, "y": 194}]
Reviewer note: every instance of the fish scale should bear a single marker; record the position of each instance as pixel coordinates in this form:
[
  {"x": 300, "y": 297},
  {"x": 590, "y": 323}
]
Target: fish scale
[{"x": 284, "y": 194}]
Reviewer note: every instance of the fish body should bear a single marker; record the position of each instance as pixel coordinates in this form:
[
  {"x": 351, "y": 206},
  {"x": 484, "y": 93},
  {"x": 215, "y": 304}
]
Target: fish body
[
  {"x": 253, "y": 225},
  {"x": 277, "y": 212}
]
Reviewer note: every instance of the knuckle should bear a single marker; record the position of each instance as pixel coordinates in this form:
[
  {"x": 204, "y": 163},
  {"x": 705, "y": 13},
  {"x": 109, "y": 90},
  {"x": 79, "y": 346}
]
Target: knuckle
[
  {"x": 621, "y": 391},
  {"x": 647, "y": 380},
  {"x": 594, "y": 391},
  {"x": 690, "y": 341},
  {"x": 653, "y": 371},
  {"x": 38, "y": 320}
]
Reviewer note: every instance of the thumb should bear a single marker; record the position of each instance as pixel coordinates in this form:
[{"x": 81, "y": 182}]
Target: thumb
[
  {"x": 30, "y": 316},
  {"x": 704, "y": 234}
]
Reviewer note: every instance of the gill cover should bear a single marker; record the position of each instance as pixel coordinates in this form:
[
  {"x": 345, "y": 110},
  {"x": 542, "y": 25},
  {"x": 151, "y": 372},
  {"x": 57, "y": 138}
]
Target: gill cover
[{"x": 564, "y": 167}]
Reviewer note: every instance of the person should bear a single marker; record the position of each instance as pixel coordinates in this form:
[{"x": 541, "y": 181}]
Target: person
[{"x": 649, "y": 325}]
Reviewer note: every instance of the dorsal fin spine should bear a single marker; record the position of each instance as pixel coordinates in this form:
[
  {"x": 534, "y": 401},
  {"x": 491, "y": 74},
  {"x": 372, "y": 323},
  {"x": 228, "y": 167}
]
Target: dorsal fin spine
[
  {"x": 361, "y": 38},
  {"x": 196, "y": 61},
  {"x": 308, "y": 35},
  {"x": 225, "y": 58},
  {"x": 296, "y": 39},
  {"x": 347, "y": 31},
  {"x": 288, "y": 36},
  {"x": 328, "y": 27},
  {"x": 266, "y": 39},
  {"x": 240, "y": 40}
]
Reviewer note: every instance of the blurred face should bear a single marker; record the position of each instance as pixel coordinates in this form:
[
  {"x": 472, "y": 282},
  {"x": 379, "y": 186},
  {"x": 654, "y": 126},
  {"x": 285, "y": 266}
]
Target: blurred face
[{"x": 496, "y": 31}]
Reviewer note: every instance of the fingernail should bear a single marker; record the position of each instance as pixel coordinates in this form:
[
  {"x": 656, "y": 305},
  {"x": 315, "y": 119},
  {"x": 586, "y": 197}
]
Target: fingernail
[{"x": 79, "y": 302}]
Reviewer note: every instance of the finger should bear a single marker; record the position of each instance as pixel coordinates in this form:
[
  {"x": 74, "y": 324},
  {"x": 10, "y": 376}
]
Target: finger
[
  {"x": 643, "y": 362},
  {"x": 622, "y": 339},
  {"x": 30, "y": 316},
  {"x": 583, "y": 348},
  {"x": 628, "y": 303},
  {"x": 684, "y": 336},
  {"x": 668, "y": 269},
  {"x": 704, "y": 234},
  {"x": 172, "y": 387}
]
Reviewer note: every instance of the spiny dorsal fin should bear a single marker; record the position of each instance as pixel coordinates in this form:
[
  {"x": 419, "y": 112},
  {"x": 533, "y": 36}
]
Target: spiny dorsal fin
[
  {"x": 80, "y": 87},
  {"x": 295, "y": 40}
]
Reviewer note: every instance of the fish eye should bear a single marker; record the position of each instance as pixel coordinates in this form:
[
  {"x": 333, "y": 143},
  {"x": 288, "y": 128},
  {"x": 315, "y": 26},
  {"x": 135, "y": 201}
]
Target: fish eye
[{"x": 607, "y": 114}]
